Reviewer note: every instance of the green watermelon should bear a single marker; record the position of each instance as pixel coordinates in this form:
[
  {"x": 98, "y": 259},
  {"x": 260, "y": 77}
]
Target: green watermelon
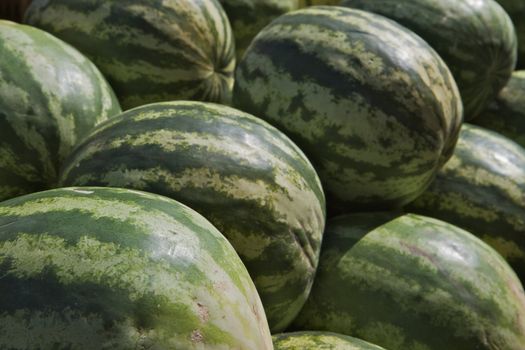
[
  {"x": 408, "y": 282},
  {"x": 371, "y": 104},
  {"x": 475, "y": 38},
  {"x": 506, "y": 114},
  {"x": 482, "y": 189},
  {"x": 150, "y": 51},
  {"x": 245, "y": 176},
  {"x": 319, "y": 340},
  {"x": 107, "y": 268},
  {"x": 248, "y": 17},
  {"x": 516, "y": 11},
  {"x": 50, "y": 97}
]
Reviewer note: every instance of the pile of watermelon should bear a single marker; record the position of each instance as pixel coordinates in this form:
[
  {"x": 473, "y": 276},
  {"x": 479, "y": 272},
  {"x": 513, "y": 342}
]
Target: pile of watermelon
[{"x": 262, "y": 174}]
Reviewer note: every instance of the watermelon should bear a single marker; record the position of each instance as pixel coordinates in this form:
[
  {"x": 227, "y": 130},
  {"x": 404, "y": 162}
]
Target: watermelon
[
  {"x": 319, "y": 340},
  {"x": 506, "y": 114},
  {"x": 376, "y": 122},
  {"x": 50, "y": 97},
  {"x": 150, "y": 51},
  {"x": 412, "y": 282},
  {"x": 108, "y": 268},
  {"x": 516, "y": 11},
  {"x": 482, "y": 189},
  {"x": 245, "y": 176},
  {"x": 248, "y": 17},
  {"x": 476, "y": 39}
]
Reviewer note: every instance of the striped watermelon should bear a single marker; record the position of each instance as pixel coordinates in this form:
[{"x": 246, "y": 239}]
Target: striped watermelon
[
  {"x": 476, "y": 39},
  {"x": 106, "y": 268},
  {"x": 248, "y": 17},
  {"x": 506, "y": 114},
  {"x": 371, "y": 104},
  {"x": 149, "y": 50},
  {"x": 412, "y": 282},
  {"x": 319, "y": 340},
  {"x": 50, "y": 97},
  {"x": 516, "y": 11},
  {"x": 482, "y": 189},
  {"x": 245, "y": 176}
]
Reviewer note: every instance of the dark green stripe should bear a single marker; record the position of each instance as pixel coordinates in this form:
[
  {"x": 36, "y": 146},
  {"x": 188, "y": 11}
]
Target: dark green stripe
[
  {"x": 38, "y": 112},
  {"x": 314, "y": 68}
]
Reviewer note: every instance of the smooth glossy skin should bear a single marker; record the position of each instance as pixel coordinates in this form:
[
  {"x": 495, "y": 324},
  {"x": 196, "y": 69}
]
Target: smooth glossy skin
[
  {"x": 506, "y": 114},
  {"x": 476, "y": 39},
  {"x": 376, "y": 120},
  {"x": 482, "y": 189},
  {"x": 412, "y": 282},
  {"x": 150, "y": 51},
  {"x": 50, "y": 97},
  {"x": 318, "y": 341},
  {"x": 245, "y": 176},
  {"x": 105, "y": 268}
]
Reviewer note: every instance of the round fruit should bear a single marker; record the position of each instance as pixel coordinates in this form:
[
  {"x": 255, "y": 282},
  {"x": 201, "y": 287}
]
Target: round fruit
[
  {"x": 371, "y": 104},
  {"x": 106, "y": 268},
  {"x": 245, "y": 176},
  {"x": 411, "y": 282},
  {"x": 319, "y": 340},
  {"x": 482, "y": 190},
  {"x": 475, "y": 38},
  {"x": 50, "y": 97},
  {"x": 150, "y": 51},
  {"x": 506, "y": 114}
]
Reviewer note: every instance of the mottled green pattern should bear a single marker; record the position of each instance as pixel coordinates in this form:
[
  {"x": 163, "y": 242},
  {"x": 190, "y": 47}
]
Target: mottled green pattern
[
  {"x": 482, "y": 189},
  {"x": 506, "y": 114},
  {"x": 249, "y": 17},
  {"x": 408, "y": 282},
  {"x": 475, "y": 38},
  {"x": 103, "y": 268},
  {"x": 242, "y": 174},
  {"x": 516, "y": 11},
  {"x": 150, "y": 51},
  {"x": 50, "y": 97},
  {"x": 375, "y": 119},
  {"x": 319, "y": 341}
]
